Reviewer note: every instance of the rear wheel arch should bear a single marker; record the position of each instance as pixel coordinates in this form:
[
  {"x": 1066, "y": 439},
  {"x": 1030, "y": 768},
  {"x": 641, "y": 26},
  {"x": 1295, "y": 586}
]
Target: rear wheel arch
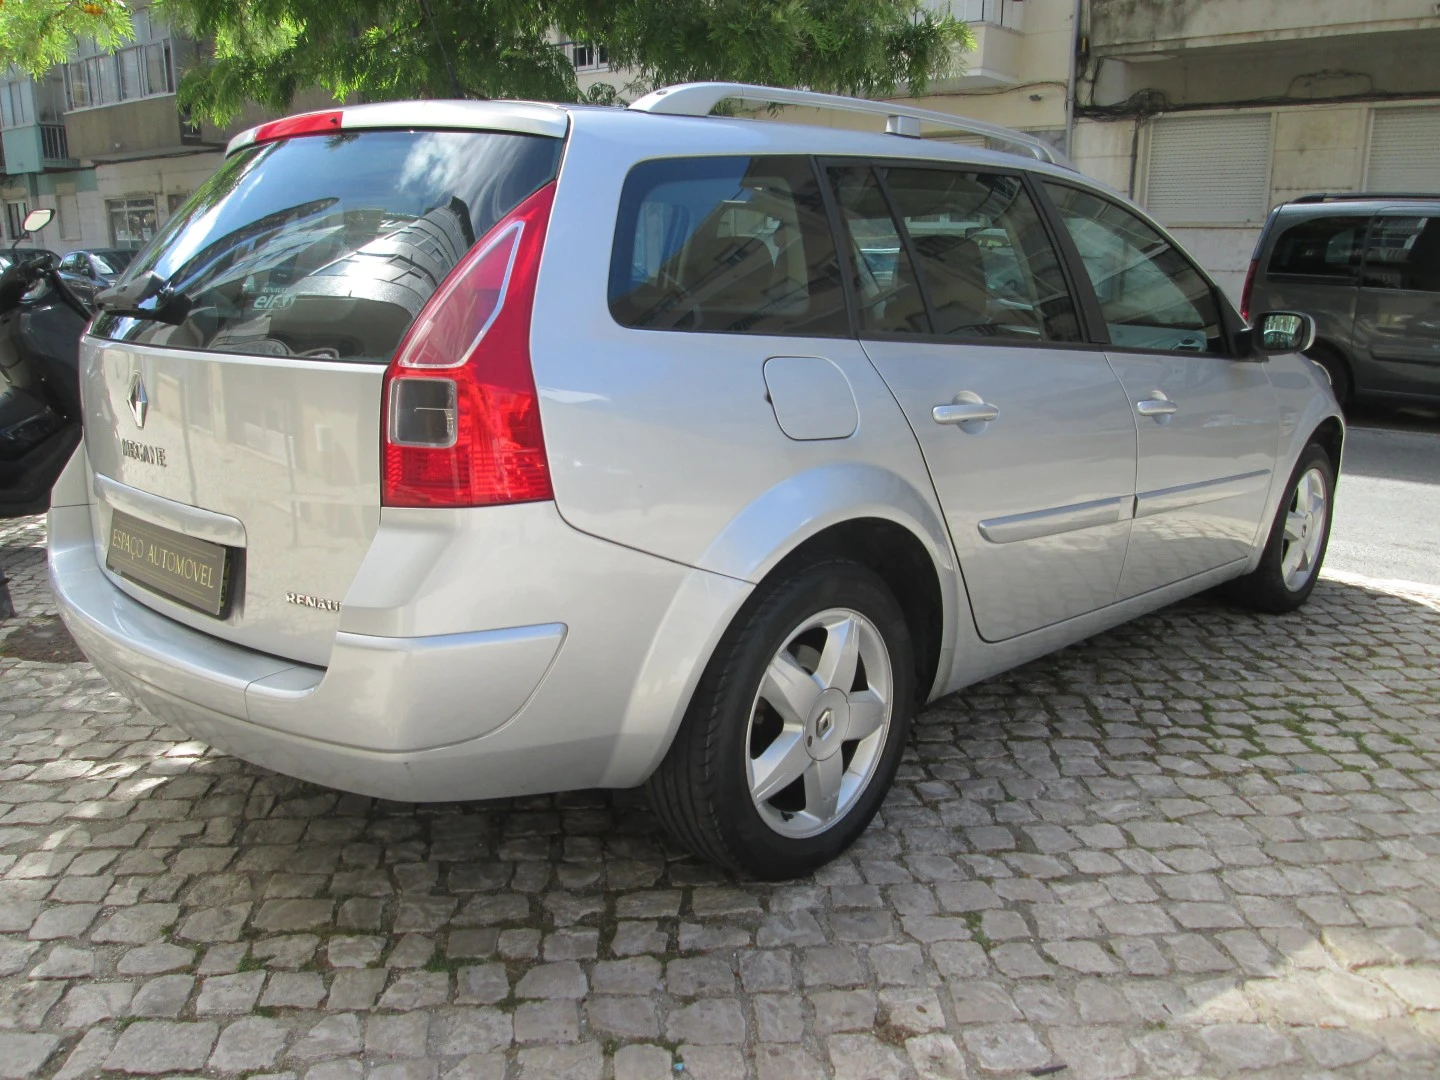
[{"x": 903, "y": 562}]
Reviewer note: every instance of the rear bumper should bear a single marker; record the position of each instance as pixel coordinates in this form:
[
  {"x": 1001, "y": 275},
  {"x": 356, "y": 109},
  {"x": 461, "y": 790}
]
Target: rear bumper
[{"x": 587, "y": 694}]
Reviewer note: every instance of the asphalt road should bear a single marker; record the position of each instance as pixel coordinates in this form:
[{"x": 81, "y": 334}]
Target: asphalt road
[{"x": 1387, "y": 514}]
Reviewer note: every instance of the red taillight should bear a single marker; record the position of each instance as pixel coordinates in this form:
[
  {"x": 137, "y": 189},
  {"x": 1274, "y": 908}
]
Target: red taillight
[
  {"x": 1246, "y": 290},
  {"x": 461, "y": 416},
  {"x": 313, "y": 123}
]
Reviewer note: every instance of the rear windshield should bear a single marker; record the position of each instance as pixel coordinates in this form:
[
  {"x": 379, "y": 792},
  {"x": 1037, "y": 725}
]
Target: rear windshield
[{"x": 328, "y": 246}]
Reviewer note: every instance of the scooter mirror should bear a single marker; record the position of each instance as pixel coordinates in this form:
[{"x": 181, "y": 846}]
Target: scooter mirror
[{"x": 37, "y": 219}]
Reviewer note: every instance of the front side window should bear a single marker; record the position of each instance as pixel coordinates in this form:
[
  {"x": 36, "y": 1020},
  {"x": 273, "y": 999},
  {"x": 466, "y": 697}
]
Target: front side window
[
  {"x": 325, "y": 246},
  {"x": 726, "y": 245},
  {"x": 1327, "y": 247},
  {"x": 986, "y": 261},
  {"x": 1404, "y": 253},
  {"x": 1151, "y": 297}
]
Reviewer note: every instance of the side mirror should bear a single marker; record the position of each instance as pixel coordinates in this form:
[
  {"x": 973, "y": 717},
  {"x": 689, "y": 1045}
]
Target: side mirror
[
  {"x": 1284, "y": 332},
  {"x": 37, "y": 219}
]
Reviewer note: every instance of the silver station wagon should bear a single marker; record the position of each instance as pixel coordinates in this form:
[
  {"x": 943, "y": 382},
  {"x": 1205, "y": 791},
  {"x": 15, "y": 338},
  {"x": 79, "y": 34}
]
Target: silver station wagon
[{"x": 451, "y": 450}]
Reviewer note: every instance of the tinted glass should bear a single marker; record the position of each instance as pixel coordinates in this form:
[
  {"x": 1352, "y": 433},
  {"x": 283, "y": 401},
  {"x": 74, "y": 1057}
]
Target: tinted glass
[
  {"x": 112, "y": 262},
  {"x": 1150, "y": 295},
  {"x": 729, "y": 245},
  {"x": 887, "y": 295},
  {"x": 328, "y": 246},
  {"x": 1320, "y": 247},
  {"x": 1404, "y": 253},
  {"x": 986, "y": 261}
]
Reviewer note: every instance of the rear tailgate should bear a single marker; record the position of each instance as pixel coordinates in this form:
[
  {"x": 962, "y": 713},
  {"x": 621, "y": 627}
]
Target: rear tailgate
[
  {"x": 242, "y": 418},
  {"x": 287, "y": 448}
]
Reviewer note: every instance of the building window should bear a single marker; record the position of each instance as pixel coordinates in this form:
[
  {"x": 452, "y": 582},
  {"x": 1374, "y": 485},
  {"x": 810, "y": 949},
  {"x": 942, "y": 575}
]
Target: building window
[
  {"x": 589, "y": 57},
  {"x": 15, "y": 219},
  {"x": 1405, "y": 150},
  {"x": 68, "y": 211},
  {"x": 139, "y": 71},
  {"x": 1209, "y": 170},
  {"x": 17, "y": 103},
  {"x": 132, "y": 221},
  {"x": 173, "y": 203}
]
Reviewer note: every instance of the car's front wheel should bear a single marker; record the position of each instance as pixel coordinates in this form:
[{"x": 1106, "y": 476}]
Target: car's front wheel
[
  {"x": 797, "y": 727},
  {"x": 1298, "y": 538}
]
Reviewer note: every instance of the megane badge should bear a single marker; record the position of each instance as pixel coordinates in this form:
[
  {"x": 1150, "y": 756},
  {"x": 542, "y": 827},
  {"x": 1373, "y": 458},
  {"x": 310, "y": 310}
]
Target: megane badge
[{"x": 139, "y": 402}]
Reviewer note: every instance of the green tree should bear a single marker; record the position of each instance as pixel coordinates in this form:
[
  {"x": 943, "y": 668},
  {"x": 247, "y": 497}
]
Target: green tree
[
  {"x": 268, "y": 50},
  {"x": 35, "y": 35}
]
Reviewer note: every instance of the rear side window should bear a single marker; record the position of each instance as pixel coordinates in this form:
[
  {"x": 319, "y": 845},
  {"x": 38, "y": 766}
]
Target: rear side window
[
  {"x": 1326, "y": 247},
  {"x": 328, "y": 246},
  {"x": 726, "y": 245},
  {"x": 1404, "y": 253}
]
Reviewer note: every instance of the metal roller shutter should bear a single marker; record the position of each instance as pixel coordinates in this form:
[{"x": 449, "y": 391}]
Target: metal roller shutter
[
  {"x": 1212, "y": 170},
  {"x": 1404, "y": 150}
]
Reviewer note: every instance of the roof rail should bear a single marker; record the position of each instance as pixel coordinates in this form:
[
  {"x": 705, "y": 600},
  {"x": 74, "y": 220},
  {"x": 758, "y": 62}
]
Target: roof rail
[
  {"x": 700, "y": 99},
  {"x": 1340, "y": 196}
]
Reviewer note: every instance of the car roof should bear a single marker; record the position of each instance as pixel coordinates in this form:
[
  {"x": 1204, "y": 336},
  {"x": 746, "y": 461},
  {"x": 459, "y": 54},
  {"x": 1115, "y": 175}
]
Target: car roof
[
  {"x": 1358, "y": 203},
  {"x": 672, "y": 134}
]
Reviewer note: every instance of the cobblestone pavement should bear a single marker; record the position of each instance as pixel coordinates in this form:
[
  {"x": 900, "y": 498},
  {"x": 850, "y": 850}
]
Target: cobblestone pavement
[{"x": 1202, "y": 844}]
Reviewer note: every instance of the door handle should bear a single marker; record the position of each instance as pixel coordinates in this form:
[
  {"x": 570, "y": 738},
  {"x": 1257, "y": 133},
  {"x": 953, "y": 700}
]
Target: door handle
[
  {"x": 1157, "y": 405},
  {"x": 967, "y": 408}
]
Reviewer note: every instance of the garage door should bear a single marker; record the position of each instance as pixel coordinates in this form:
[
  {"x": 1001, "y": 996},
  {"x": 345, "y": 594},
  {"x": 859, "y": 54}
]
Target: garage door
[
  {"x": 1404, "y": 150},
  {"x": 1209, "y": 170}
]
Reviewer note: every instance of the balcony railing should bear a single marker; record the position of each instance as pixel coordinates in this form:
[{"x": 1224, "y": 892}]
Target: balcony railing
[
  {"x": 1007, "y": 13},
  {"x": 53, "y": 144}
]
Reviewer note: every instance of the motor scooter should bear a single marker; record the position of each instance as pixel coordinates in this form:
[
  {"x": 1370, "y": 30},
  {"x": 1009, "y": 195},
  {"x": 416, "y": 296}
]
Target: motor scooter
[{"x": 41, "y": 322}]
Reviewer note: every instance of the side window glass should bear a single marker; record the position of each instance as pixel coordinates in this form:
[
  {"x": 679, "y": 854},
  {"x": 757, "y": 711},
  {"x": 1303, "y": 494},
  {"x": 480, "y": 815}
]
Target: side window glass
[
  {"x": 1404, "y": 253},
  {"x": 1320, "y": 247},
  {"x": 729, "y": 244},
  {"x": 1150, "y": 295},
  {"x": 886, "y": 293},
  {"x": 990, "y": 269},
  {"x": 71, "y": 262}
]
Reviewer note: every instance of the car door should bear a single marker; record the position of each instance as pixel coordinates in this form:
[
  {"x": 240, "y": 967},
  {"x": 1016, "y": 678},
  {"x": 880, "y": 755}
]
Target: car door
[
  {"x": 1397, "y": 317},
  {"x": 75, "y": 270},
  {"x": 1207, "y": 421},
  {"x": 965, "y": 310}
]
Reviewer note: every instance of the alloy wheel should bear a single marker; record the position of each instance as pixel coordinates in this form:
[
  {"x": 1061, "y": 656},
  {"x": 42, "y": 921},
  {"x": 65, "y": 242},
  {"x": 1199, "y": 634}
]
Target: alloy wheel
[
  {"x": 1305, "y": 522},
  {"x": 819, "y": 722}
]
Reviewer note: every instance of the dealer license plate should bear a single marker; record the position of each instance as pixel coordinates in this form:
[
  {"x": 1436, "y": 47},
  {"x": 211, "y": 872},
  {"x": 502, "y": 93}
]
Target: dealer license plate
[{"x": 193, "y": 572}]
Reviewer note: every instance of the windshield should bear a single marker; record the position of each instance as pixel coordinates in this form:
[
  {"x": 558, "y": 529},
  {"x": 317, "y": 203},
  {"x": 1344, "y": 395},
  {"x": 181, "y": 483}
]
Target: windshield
[
  {"x": 112, "y": 262},
  {"x": 328, "y": 246}
]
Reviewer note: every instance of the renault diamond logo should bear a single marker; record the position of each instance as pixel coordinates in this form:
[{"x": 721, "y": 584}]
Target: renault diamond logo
[{"x": 139, "y": 402}]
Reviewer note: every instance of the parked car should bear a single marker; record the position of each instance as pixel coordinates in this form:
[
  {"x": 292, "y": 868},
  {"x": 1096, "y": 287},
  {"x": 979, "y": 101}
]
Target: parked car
[
  {"x": 448, "y": 450},
  {"x": 87, "y": 272},
  {"x": 1367, "y": 267}
]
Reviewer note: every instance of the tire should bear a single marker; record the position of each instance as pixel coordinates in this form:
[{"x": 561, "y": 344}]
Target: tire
[
  {"x": 1341, "y": 383},
  {"x": 1269, "y": 587},
  {"x": 746, "y": 717}
]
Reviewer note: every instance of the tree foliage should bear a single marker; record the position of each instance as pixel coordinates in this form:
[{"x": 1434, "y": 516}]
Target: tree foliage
[
  {"x": 268, "y": 50},
  {"x": 35, "y": 35}
]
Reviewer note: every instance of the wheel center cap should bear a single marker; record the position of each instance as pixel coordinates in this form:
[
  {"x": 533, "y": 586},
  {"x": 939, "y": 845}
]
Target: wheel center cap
[{"x": 825, "y": 728}]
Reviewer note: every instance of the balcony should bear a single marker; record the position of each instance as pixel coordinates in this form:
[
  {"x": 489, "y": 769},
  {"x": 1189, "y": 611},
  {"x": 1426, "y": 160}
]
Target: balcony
[
  {"x": 998, "y": 26},
  {"x": 36, "y": 148},
  {"x": 1144, "y": 28}
]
